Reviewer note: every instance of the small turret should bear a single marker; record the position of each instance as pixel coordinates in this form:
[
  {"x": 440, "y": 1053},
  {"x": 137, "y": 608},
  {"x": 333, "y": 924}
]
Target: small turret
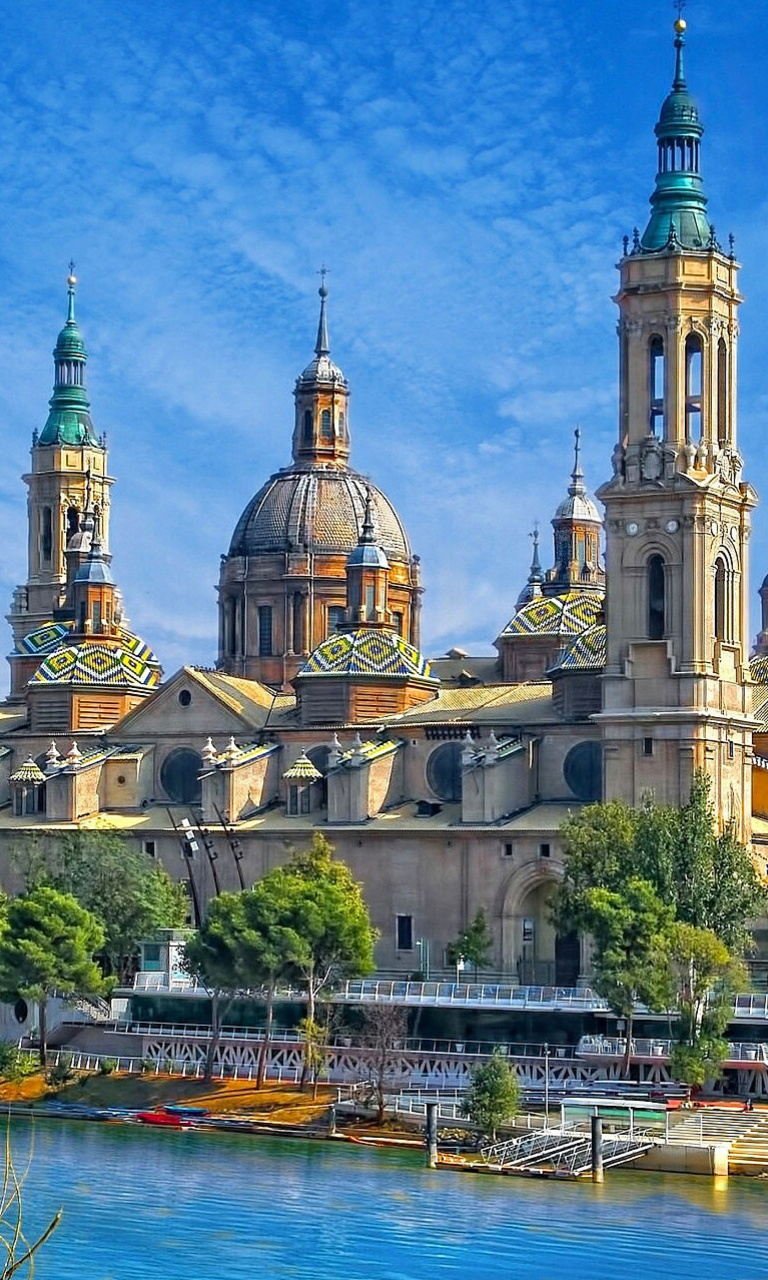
[
  {"x": 69, "y": 420},
  {"x": 321, "y": 431},
  {"x": 678, "y": 204}
]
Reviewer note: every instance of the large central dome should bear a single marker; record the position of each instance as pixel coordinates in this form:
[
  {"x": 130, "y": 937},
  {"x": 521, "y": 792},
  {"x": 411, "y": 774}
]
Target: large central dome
[
  {"x": 282, "y": 588},
  {"x": 316, "y": 508}
]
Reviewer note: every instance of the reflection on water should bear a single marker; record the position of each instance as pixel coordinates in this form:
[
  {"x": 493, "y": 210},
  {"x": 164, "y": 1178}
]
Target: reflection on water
[{"x": 142, "y": 1203}]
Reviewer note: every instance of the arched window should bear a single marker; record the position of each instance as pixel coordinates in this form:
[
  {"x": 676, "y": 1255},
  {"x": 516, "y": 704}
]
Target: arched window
[
  {"x": 693, "y": 383},
  {"x": 656, "y": 598},
  {"x": 583, "y": 771},
  {"x": 46, "y": 534},
  {"x": 73, "y": 522},
  {"x": 265, "y": 630},
  {"x": 325, "y": 424},
  {"x": 307, "y": 425},
  {"x": 335, "y": 617},
  {"x": 722, "y": 393},
  {"x": 656, "y": 372},
  {"x": 342, "y": 426},
  {"x": 721, "y": 619}
]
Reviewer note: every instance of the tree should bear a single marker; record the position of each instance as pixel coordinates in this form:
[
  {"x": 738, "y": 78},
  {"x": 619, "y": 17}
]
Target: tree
[
  {"x": 383, "y": 1033},
  {"x": 328, "y": 928},
  {"x": 270, "y": 948},
  {"x": 132, "y": 895},
  {"x": 473, "y": 944},
  {"x": 214, "y": 956},
  {"x": 709, "y": 880},
  {"x": 630, "y": 963},
  {"x": 493, "y": 1096},
  {"x": 705, "y": 977},
  {"x": 47, "y": 944}
]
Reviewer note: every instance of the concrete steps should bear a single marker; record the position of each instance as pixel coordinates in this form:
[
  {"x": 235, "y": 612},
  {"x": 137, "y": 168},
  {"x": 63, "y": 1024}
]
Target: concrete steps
[
  {"x": 713, "y": 1124},
  {"x": 749, "y": 1153}
]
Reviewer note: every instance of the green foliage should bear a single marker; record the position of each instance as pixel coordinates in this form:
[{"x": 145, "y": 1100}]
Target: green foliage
[
  {"x": 131, "y": 894},
  {"x": 629, "y": 931},
  {"x": 15, "y": 1064},
  {"x": 61, "y": 1072},
  {"x": 709, "y": 880},
  {"x": 107, "y": 1066},
  {"x": 322, "y": 910},
  {"x": 694, "y": 1065},
  {"x": 705, "y": 977},
  {"x": 473, "y": 943},
  {"x": 47, "y": 944},
  {"x": 384, "y": 1029},
  {"x": 493, "y": 1097}
]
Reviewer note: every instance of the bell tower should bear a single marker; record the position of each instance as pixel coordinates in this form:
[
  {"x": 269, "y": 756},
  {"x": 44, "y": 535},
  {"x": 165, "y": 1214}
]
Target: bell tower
[
  {"x": 67, "y": 480},
  {"x": 676, "y": 694}
]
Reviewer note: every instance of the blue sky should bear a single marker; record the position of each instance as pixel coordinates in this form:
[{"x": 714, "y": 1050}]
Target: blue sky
[{"x": 465, "y": 170}]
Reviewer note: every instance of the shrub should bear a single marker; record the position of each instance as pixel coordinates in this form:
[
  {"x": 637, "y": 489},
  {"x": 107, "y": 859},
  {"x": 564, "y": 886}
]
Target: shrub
[
  {"x": 107, "y": 1066},
  {"x": 61, "y": 1071}
]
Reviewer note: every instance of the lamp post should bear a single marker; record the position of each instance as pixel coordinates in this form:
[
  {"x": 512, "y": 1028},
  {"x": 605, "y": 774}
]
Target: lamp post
[
  {"x": 461, "y": 964},
  {"x": 546, "y": 1084},
  {"x": 423, "y": 945}
]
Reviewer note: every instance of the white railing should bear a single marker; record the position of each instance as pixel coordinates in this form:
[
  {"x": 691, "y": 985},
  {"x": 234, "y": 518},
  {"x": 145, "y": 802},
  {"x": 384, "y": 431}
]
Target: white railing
[
  {"x": 607, "y": 1046},
  {"x": 485, "y": 994}
]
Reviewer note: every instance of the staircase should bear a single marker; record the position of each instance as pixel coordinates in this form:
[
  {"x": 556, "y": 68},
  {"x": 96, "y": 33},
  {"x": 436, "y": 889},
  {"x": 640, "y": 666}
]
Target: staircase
[
  {"x": 564, "y": 1151},
  {"x": 749, "y": 1153},
  {"x": 745, "y": 1132}
]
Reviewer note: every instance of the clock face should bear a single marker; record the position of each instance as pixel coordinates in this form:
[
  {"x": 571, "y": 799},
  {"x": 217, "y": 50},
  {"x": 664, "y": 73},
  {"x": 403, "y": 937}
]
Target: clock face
[
  {"x": 672, "y": 526},
  {"x": 632, "y": 528}
]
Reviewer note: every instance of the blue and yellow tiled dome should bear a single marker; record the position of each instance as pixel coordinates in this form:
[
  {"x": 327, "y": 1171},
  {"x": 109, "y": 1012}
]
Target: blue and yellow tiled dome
[
  {"x": 566, "y": 615},
  {"x": 96, "y": 662},
  {"x": 367, "y": 652},
  {"x": 51, "y": 636},
  {"x": 585, "y": 653}
]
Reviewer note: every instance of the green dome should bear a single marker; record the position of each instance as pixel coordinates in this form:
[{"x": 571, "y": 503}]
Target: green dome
[{"x": 70, "y": 342}]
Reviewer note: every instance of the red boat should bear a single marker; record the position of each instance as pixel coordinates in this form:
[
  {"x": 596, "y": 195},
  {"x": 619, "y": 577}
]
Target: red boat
[{"x": 163, "y": 1117}]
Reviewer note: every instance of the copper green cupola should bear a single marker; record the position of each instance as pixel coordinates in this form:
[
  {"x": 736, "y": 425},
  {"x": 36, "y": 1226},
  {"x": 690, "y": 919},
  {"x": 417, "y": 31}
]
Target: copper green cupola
[
  {"x": 678, "y": 204},
  {"x": 69, "y": 419}
]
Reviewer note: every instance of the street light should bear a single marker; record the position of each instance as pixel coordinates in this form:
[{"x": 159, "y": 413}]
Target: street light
[
  {"x": 423, "y": 945},
  {"x": 460, "y": 967},
  {"x": 546, "y": 1084}
]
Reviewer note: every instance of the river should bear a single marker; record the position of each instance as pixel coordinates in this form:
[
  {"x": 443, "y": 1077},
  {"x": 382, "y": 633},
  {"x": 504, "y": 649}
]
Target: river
[{"x": 145, "y": 1204}]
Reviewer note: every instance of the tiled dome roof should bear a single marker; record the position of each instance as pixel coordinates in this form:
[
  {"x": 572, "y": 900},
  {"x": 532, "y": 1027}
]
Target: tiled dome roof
[
  {"x": 366, "y": 652},
  {"x": 320, "y": 507},
  {"x": 51, "y": 636},
  {"x": 566, "y": 615},
  {"x": 96, "y": 662}
]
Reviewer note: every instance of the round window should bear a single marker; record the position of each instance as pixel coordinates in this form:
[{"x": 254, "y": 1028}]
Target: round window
[
  {"x": 178, "y": 776},
  {"x": 185, "y": 697},
  {"x": 583, "y": 770},
  {"x": 21, "y": 1011},
  {"x": 444, "y": 771}
]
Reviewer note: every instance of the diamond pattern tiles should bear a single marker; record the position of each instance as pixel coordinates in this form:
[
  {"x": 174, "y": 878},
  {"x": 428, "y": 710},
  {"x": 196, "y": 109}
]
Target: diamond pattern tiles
[
  {"x": 566, "y": 615},
  {"x": 758, "y": 667},
  {"x": 96, "y": 663},
  {"x": 365, "y": 653},
  {"x": 585, "y": 653},
  {"x": 48, "y": 638}
]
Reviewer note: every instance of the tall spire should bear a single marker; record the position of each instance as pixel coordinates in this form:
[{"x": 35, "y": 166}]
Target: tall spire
[
  {"x": 69, "y": 420},
  {"x": 322, "y": 345},
  {"x": 678, "y": 205},
  {"x": 532, "y": 588},
  {"x": 577, "y": 487},
  {"x": 367, "y": 533}
]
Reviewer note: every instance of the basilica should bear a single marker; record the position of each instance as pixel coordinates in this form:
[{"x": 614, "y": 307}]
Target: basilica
[{"x": 624, "y": 666}]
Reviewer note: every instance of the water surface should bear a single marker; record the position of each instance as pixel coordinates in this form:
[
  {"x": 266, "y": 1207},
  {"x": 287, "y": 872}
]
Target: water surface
[{"x": 143, "y": 1204}]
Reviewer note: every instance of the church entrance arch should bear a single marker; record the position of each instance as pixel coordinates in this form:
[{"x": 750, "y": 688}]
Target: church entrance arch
[{"x": 534, "y": 953}]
